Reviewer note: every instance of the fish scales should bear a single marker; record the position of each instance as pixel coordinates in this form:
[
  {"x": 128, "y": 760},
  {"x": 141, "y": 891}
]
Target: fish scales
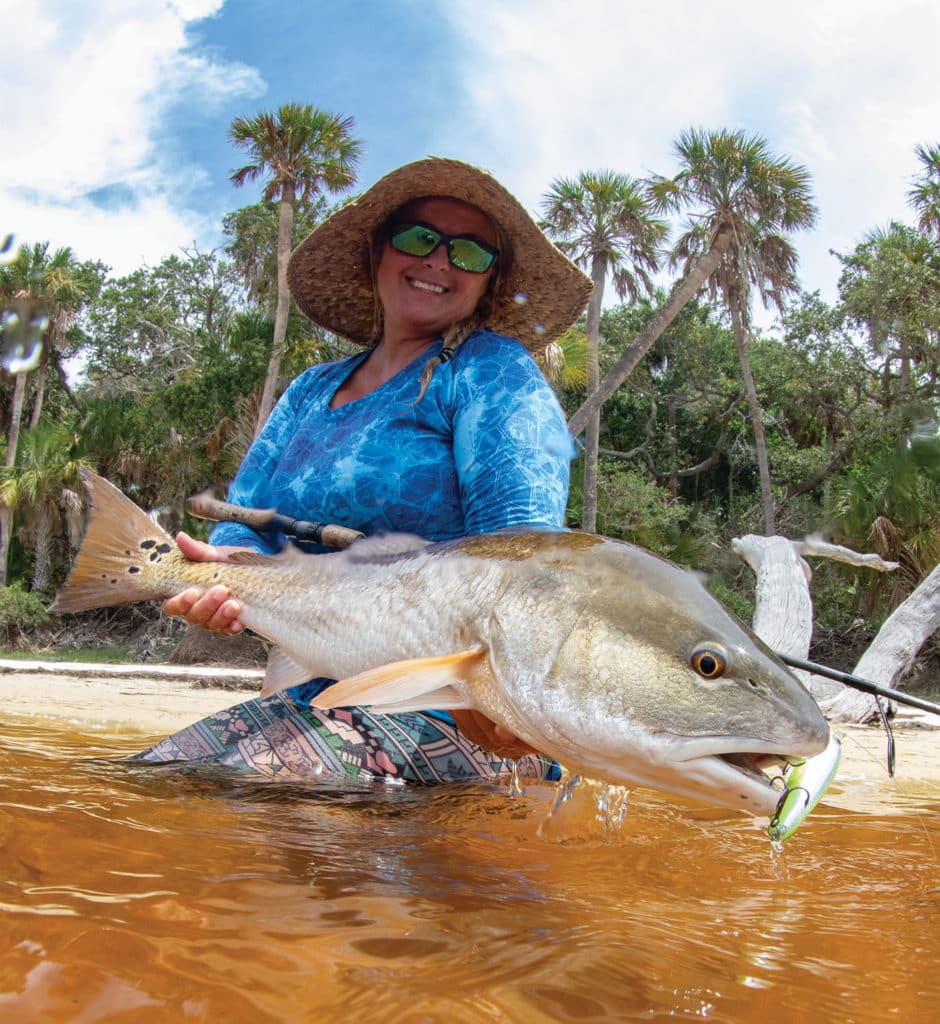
[{"x": 611, "y": 660}]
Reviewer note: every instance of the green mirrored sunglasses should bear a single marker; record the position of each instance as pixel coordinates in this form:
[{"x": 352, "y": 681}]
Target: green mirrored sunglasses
[{"x": 464, "y": 253}]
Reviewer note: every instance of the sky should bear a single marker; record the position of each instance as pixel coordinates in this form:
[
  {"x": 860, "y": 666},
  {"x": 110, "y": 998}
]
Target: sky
[{"x": 115, "y": 113}]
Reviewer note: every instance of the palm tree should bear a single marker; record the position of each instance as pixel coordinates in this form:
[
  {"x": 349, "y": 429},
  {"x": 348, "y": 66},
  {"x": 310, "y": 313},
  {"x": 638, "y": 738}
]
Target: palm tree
[
  {"x": 253, "y": 234},
  {"x": 890, "y": 286},
  {"x": 564, "y": 360},
  {"x": 301, "y": 151},
  {"x": 50, "y": 290},
  {"x": 603, "y": 221},
  {"x": 734, "y": 179},
  {"x": 45, "y": 482},
  {"x": 925, "y": 194},
  {"x": 741, "y": 197}
]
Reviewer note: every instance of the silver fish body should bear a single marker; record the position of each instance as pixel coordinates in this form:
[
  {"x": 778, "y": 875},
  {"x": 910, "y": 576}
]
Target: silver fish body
[{"x": 616, "y": 663}]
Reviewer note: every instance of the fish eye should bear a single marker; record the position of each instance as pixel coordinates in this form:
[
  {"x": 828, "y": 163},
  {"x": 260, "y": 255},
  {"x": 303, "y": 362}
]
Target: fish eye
[{"x": 709, "y": 662}]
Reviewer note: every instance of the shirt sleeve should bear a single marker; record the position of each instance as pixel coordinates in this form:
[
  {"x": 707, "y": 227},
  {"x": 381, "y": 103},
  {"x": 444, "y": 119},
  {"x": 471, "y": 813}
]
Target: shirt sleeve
[
  {"x": 512, "y": 447},
  {"x": 251, "y": 486}
]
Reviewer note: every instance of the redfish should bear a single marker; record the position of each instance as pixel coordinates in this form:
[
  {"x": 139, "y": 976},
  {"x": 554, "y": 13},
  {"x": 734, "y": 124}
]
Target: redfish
[{"x": 616, "y": 663}]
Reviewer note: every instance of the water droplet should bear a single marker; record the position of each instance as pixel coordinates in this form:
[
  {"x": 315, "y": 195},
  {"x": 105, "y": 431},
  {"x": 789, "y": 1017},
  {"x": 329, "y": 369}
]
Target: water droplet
[
  {"x": 778, "y": 862},
  {"x": 520, "y": 298},
  {"x": 21, "y": 341},
  {"x": 539, "y": 328},
  {"x": 7, "y": 252},
  {"x": 516, "y": 783}
]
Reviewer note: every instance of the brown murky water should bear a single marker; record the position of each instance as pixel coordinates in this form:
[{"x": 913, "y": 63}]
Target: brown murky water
[{"x": 139, "y": 894}]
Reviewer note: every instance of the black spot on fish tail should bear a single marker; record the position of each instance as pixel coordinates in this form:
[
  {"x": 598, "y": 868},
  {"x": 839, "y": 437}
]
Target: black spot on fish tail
[{"x": 114, "y": 564}]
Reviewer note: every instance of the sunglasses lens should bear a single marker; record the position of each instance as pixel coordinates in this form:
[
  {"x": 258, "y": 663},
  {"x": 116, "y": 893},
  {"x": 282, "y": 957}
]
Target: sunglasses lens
[
  {"x": 465, "y": 254},
  {"x": 415, "y": 240}
]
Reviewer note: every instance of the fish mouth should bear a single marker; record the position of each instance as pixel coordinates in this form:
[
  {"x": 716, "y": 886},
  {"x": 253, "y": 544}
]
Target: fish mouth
[
  {"x": 751, "y": 781},
  {"x": 730, "y": 772},
  {"x": 764, "y": 769},
  {"x": 737, "y": 772}
]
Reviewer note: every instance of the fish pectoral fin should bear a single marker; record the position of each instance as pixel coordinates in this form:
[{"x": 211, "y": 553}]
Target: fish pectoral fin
[
  {"x": 282, "y": 671},
  {"x": 415, "y": 684}
]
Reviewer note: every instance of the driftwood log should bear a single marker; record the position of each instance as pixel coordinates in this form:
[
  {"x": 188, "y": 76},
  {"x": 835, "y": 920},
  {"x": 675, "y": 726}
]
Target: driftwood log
[{"x": 783, "y": 617}]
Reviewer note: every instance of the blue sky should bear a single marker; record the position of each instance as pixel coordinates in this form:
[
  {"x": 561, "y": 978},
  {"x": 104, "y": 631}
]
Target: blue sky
[{"x": 115, "y": 139}]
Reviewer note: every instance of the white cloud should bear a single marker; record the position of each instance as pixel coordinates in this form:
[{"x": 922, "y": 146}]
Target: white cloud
[
  {"x": 94, "y": 84},
  {"x": 847, "y": 88},
  {"x": 125, "y": 237}
]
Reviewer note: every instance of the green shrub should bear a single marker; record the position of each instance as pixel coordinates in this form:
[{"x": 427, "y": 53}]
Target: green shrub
[{"x": 20, "y": 611}]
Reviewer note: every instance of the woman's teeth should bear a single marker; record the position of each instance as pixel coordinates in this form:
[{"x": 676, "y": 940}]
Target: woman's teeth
[{"x": 425, "y": 286}]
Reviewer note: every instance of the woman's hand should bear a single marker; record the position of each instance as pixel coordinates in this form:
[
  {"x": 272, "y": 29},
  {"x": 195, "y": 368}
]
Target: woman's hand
[
  {"x": 492, "y": 737},
  {"x": 215, "y": 609}
]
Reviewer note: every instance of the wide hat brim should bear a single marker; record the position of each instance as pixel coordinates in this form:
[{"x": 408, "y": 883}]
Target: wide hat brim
[{"x": 331, "y": 282}]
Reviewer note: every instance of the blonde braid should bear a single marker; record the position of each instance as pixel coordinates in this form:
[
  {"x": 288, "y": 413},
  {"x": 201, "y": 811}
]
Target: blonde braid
[
  {"x": 454, "y": 337},
  {"x": 457, "y": 334}
]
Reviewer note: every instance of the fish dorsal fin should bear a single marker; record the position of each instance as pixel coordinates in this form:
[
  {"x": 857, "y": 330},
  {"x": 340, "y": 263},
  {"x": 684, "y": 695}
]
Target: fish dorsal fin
[
  {"x": 287, "y": 556},
  {"x": 282, "y": 671},
  {"x": 384, "y": 546},
  {"x": 411, "y": 685}
]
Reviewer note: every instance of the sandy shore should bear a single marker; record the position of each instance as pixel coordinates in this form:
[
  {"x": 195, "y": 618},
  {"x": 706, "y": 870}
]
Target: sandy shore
[
  {"x": 152, "y": 699},
  {"x": 158, "y": 699}
]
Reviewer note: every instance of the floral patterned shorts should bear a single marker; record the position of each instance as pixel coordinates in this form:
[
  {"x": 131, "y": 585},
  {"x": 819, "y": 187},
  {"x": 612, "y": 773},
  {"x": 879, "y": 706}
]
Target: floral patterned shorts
[{"x": 282, "y": 735}]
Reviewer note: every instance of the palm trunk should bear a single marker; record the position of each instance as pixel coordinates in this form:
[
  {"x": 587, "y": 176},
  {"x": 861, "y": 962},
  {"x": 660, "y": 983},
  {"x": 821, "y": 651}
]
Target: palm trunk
[
  {"x": 6, "y": 513},
  {"x": 42, "y": 557},
  {"x": 284, "y": 230},
  {"x": 592, "y": 436},
  {"x": 41, "y": 373},
  {"x": 740, "y": 332},
  {"x": 682, "y": 291}
]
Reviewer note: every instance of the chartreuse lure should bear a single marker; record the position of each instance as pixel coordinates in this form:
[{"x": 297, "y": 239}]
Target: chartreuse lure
[{"x": 806, "y": 781}]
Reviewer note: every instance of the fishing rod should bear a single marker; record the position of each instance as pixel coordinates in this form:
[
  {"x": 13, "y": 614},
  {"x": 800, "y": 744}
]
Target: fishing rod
[
  {"x": 865, "y": 685},
  {"x": 205, "y": 506}
]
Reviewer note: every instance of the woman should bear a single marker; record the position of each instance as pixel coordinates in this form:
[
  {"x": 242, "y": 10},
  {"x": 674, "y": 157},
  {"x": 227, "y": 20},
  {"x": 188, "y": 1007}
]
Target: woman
[{"x": 443, "y": 426}]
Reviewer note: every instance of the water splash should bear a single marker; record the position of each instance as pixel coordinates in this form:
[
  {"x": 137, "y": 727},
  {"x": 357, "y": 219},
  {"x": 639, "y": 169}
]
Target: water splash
[
  {"x": 612, "y": 803},
  {"x": 586, "y": 809},
  {"x": 563, "y": 794},
  {"x": 516, "y": 783}
]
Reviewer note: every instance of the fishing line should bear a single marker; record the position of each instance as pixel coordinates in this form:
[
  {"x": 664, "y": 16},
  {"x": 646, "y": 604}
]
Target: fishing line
[
  {"x": 866, "y": 686},
  {"x": 890, "y": 736}
]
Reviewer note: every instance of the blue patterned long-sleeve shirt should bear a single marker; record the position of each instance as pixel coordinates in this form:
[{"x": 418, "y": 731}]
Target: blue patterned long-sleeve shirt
[{"x": 486, "y": 447}]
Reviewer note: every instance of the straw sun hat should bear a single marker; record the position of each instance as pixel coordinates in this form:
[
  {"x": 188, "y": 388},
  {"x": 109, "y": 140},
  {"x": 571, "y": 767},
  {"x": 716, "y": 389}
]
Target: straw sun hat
[{"x": 330, "y": 277}]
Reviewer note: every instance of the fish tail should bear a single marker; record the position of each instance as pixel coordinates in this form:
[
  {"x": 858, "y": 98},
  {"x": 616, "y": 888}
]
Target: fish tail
[{"x": 119, "y": 555}]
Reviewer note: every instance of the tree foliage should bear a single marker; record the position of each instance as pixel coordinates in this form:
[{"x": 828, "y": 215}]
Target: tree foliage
[
  {"x": 604, "y": 222},
  {"x": 924, "y": 194},
  {"x": 299, "y": 152},
  {"x": 175, "y": 357}
]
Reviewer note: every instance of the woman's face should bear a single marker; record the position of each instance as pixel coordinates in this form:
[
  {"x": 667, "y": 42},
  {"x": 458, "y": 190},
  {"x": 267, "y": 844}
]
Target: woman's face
[{"x": 422, "y": 296}]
